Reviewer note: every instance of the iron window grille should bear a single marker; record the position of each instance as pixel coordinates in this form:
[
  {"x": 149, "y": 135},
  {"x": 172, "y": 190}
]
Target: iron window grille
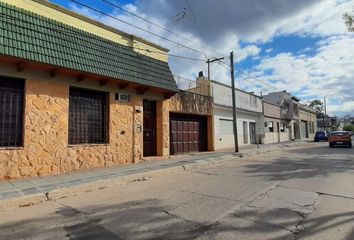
[
  {"x": 88, "y": 116},
  {"x": 11, "y": 111}
]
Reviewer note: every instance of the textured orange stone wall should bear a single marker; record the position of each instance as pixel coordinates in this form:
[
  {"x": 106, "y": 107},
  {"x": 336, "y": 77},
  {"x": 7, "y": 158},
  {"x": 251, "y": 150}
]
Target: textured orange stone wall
[
  {"x": 46, "y": 150},
  {"x": 182, "y": 102}
]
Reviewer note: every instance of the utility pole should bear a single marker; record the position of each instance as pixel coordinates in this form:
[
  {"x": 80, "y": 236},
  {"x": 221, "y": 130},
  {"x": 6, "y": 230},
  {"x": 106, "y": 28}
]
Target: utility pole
[
  {"x": 232, "y": 68},
  {"x": 325, "y": 116},
  {"x": 211, "y": 61}
]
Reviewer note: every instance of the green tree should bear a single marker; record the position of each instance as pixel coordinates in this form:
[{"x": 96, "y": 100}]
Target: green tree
[
  {"x": 317, "y": 104},
  {"x": 349, "y": 21},
  {"x": 349, "y": 128}
]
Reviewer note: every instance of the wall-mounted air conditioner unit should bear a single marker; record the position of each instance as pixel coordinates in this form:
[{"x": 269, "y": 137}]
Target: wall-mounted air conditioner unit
[{"x": 122, "y": 97}]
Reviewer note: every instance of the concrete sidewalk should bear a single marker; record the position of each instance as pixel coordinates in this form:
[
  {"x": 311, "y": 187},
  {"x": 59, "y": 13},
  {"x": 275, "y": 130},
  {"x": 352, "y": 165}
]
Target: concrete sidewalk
[{"x": 23, "y": 192}]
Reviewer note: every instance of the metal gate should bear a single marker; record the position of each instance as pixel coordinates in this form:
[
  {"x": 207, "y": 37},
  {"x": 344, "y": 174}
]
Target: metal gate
[
  {"x": 188, "y": 133},
  {"x": 304, "y": 130}
]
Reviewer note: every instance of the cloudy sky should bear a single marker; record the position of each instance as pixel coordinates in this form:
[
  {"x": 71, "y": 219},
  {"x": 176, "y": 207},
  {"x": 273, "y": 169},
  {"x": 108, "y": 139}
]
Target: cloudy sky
[{"x": 300, "y": 46}]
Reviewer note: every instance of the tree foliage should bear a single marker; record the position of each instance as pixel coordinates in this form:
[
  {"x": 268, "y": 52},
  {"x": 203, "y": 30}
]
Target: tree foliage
[
  {"x": 349, "y": 128},
  {"x": 349, "y": 21},
  {"x": 316, "y": 104}
]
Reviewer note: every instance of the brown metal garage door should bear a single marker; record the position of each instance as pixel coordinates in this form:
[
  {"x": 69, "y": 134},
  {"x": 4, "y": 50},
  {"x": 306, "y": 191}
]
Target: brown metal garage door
[{"x": 188, "y": 133}]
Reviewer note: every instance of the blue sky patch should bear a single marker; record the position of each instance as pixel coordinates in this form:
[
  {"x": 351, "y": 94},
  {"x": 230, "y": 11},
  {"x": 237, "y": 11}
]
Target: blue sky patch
[{"x": 296, "y": 45}]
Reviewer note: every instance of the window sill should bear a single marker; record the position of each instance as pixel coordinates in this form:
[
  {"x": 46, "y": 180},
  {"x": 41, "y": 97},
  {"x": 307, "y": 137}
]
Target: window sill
[
  {"x": 12, "y": 148},
  {"x": 88, "y": 145}
]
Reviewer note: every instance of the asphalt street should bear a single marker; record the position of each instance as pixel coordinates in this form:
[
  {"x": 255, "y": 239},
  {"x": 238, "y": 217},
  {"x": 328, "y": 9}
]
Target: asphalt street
[{"x": 298, "y": 193}]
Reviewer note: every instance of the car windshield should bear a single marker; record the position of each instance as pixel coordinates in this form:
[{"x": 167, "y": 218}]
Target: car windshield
[
  {"x": 339, "y": 134},
  {"x": 320, "y": 133}
]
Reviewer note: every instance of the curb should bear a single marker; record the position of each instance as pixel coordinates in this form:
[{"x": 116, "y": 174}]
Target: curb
[
  {"x": 106, "y": 183},
  {"x": 30, "y": 200}
]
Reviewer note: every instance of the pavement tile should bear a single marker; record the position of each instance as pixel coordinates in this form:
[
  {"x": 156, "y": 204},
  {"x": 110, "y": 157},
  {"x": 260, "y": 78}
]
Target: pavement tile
[
  {"x": 37, "y": 181},
  {"x": 6, "y": 186},
  {"x": 29, "y": 191},
  {"x": 11, "y": 194},
  {"x": 49, "y": 187},
  {"x": 22, "y": 184},
  {"x": 48, "y": 183}
]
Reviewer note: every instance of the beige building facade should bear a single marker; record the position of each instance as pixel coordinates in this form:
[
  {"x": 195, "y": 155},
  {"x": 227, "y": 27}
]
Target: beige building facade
[
  {"x": 68, "y": 106},
  {"x": 275, "y": 127},
  {"x": 45, "y": 148},
  {"x": 308, "y": 122}
]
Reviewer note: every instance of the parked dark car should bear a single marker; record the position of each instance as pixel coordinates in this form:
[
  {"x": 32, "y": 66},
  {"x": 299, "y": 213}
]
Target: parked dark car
[
  {"x": 321, "y": 136},
  {"x": 340, "y": 138}
]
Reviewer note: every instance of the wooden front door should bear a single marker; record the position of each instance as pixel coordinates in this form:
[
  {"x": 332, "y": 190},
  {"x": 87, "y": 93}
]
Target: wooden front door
[
  {"x": 149, "y": 126},
  {"x": 188, "y": 133}
]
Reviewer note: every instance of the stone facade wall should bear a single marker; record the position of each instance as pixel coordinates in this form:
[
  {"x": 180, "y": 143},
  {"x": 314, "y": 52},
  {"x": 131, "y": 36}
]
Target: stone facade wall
[
  {"x": 187, "y": 103},
  {"x": 190, "y": 103},
  {"x": 46, "y": 150}
]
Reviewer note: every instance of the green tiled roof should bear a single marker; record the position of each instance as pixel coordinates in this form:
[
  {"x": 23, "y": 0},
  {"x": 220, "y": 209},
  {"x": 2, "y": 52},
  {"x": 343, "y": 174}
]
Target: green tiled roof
[{"x": 29, "y": 36}]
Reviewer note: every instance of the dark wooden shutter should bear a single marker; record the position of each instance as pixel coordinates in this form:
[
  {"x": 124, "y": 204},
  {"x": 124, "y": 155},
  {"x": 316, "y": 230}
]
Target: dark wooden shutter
[
  {"x": 11, "y": 112},
  {"x": 88, "y": 117}
]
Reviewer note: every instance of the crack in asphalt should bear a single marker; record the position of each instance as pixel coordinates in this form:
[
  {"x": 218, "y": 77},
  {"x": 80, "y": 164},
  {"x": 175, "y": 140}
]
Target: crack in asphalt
[
  {"x": 319, "y": 193},
  {"x": 299, "y": 226},
  {"x": 335, "y": 195},
  {"x": 211, "y": 196}
]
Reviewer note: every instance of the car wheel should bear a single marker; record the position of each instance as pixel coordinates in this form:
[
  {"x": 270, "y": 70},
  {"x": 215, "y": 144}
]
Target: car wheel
[
  {"x": 350, "y": 145},
  {"x": 330, "y": 145}
]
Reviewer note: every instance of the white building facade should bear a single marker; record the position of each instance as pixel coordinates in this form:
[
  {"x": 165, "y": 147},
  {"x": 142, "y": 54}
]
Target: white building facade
[{"x": 250, "y": 123}]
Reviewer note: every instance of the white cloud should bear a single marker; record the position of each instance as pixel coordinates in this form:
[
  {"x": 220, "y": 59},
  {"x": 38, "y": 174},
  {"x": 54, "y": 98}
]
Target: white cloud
[
  {"x": 324, "y": 19},
  {"x": 328, "y": 72}
]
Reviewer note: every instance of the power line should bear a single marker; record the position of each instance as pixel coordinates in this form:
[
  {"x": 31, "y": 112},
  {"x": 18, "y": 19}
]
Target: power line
[
  {"x": 171, "y": 55},
  {"x": 137, "y": 27},
  {"x": 164, "y": 28},
  {"x": 195, "y": 20},
  {"x": 258, "y": 80},
  {"x": 141, "y": 18},
  {"x": 147, "y": 50},
  {"x": 178, "y": 17},
  {"x": 83, "y": 37},
  {"x": 177, "y": 56},
  {"x": 227, "y": 67}
]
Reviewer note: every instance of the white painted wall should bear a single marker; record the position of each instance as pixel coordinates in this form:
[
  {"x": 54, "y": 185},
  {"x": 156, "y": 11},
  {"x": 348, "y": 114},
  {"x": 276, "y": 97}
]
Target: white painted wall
[
  {"x": 223, "y": 96},
  {"x": 272, "y": 137},
  {"x": 224, "y": 137}
]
